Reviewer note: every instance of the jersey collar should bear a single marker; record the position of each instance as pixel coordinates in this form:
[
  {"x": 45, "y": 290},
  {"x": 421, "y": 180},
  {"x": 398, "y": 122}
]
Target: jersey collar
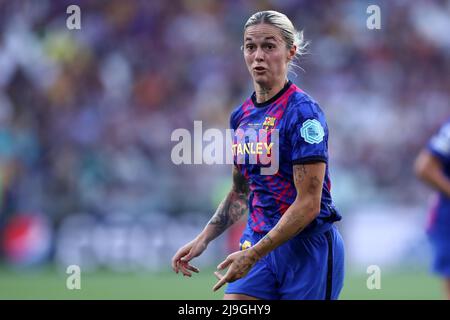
[{"x": 273, "y": 99}]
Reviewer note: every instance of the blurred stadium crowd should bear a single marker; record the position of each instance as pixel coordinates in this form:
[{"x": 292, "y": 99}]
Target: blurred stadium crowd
[{"x": 86, "y": 115}]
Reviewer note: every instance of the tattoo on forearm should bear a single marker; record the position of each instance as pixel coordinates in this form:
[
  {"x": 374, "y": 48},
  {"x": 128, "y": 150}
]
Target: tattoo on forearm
[
  {"x": 231, "y": 209},
  {"x": 289, "y": 220},
  {"x": 240, "y": 184},
  {"x": 267, "y": 239},
  {"x": 299, "y": 173},
  {"x": 311, "y": 185},
  {"x": 314, "y": 185},
  {"x": 234, "y": 206}
]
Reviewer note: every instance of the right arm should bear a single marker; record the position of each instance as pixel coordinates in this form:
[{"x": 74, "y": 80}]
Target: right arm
[
  {"x": 230, "y": 210},
  {"x": 429, "y": 169}
]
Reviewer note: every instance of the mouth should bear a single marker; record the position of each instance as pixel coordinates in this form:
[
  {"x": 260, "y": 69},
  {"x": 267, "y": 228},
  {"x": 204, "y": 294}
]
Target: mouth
[{"x": 259, "y": 69}]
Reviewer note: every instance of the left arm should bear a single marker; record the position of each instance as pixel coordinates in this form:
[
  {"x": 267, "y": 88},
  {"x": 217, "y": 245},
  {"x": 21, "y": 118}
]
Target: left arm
[{"x": 308, "y": 180}]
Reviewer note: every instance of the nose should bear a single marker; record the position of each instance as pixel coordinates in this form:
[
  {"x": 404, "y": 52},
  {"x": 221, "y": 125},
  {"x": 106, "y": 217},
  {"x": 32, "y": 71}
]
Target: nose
[{"x": 259, "y": 54}]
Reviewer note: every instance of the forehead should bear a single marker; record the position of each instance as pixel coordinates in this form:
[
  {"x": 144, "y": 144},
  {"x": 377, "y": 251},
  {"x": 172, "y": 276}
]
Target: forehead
[{"x": 262, "y": 31}]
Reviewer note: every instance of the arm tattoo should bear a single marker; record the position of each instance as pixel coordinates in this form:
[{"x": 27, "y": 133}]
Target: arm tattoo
[
  {"x": 290, "y": 220},
  {"x": 314, "y": 184},
  {"x": 299, "y": 173},
  {"x": 266, "y": 239},
  {"x": 240, "y": 184},
  {"x": 234, "y": 206},
  {"x": 297, "y": 218}
]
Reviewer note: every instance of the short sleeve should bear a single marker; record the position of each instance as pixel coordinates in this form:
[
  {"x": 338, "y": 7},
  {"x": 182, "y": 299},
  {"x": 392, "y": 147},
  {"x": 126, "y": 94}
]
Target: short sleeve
[
  {"x": 439, "y": 144},
  {"x": 308, "y": 133}
]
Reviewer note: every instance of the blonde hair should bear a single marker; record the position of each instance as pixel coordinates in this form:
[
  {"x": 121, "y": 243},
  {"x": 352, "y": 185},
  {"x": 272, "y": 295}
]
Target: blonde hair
[{"x": 290, "y": 35}]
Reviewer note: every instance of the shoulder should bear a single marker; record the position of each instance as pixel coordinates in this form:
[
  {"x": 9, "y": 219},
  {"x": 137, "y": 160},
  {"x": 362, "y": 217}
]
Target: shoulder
[
  {"x": 238, "y": 112},
  {"x": 302, "y": 105},
  {"x": 439, "y": 144}
]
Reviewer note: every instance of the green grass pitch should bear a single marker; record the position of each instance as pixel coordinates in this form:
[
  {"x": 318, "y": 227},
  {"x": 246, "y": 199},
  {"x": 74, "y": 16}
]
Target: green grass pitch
[{"x": 51, "y": 284}]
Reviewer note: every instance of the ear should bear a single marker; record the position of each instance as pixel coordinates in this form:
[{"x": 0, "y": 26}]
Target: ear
[{"x": 291, "y": 52}]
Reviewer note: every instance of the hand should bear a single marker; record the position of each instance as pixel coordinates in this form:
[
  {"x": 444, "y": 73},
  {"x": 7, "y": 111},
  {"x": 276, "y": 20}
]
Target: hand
[
  {"x": 180, "y": 261},
  {"x": 239, "y": 264}
]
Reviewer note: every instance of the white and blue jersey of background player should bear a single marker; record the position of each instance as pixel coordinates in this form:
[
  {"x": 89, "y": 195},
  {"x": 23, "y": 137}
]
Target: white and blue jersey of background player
[{"x": 438, "y": 228}]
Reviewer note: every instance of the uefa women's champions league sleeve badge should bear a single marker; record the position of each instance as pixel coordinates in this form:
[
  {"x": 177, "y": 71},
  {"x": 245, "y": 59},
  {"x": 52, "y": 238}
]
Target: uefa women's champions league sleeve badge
[{"x": 312, "y": 131}]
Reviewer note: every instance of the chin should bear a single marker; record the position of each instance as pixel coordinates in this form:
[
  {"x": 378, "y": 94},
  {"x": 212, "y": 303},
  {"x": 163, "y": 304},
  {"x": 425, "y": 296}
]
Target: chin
[{"x": 261, "y": 80}]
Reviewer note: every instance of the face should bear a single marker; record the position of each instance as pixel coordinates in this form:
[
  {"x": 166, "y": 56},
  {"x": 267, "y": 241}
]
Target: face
[{"x": 266, "y": 54}]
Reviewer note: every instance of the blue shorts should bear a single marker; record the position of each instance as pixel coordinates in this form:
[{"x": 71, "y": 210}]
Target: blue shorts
[
  {"x": 440, "y": 244},
  {"x": 303, "y": 268}
]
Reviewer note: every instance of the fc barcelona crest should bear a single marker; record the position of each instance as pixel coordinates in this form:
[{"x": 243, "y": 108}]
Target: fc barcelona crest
[{"x": 269, "y": 123}]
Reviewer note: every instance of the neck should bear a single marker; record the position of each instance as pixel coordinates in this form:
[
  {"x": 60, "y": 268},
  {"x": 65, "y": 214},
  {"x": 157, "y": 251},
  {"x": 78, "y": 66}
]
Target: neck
[{"x": 266, "y": 92}]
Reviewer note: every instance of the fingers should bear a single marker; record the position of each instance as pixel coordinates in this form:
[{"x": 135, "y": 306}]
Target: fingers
[
  {"x": 184, "y": 254},
  {"x": 175, "y": 265},
  {"x": 222, "y": 279},
  {"x": 182, "y": 266},
  {"x": 224, "y": 264},
  {"x": 218, "y": 275},
  {"x": 221, "y": 282},
  {"x": 180, "y": 261},
  {"x": 185, "y": 267},
  {"x": 192, "y": 268},
  {"x": 187, "y": 257},
  {"x": 180, "y": 253}
]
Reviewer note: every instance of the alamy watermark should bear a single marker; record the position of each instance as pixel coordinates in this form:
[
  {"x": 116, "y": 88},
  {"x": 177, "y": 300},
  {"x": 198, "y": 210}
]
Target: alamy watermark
[
  {"x": 73, "y": 281},
  {"x": 374, "y": 20},
  {"x": 214, "y": 146},
  {"x": 374, "y": 280},
  {"x": 73, "y": 21}
]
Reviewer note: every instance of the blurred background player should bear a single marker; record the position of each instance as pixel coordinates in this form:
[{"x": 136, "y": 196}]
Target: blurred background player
[
  {"x": 433, "y": 167},
  {"x": 290, "y": 248}
]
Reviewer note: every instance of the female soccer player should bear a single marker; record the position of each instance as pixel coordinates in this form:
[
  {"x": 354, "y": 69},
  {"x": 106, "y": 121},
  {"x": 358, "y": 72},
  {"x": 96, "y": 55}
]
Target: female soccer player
[
  {"x": 290, "y": 248},
  {"x": 433, "y": 167}
]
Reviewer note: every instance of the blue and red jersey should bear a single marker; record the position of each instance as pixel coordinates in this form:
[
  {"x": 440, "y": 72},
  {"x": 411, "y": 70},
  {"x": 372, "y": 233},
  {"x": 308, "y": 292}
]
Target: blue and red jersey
[
  {"x": 302, "y": 139},
  {"x": 439, "y": 146}
]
